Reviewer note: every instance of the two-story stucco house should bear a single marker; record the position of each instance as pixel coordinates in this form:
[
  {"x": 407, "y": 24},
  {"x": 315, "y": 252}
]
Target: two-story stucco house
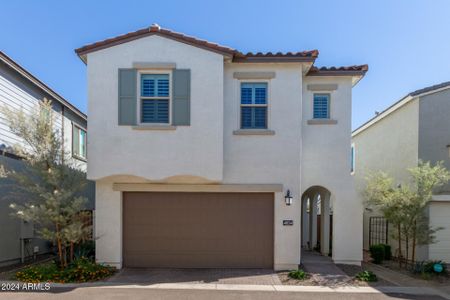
[
  {"x": 19, "y": 89},
  {"x": 417, "y": 127},
  {"x": 202, "y": 155}
]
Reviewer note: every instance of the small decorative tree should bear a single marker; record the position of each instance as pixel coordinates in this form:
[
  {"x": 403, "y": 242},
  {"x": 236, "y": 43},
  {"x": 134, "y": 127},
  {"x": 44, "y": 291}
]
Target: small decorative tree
[
  {"x": 404, "y": 205},
  {"x": 50, "y": 180}
]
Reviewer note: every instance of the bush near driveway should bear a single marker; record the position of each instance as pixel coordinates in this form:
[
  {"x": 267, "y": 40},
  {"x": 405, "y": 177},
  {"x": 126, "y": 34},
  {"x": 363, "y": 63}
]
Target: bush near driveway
[
  {"x": 80, "y": 270},
  {"x": 297, "y": 274},
  {"x": 367, "y": 276}
]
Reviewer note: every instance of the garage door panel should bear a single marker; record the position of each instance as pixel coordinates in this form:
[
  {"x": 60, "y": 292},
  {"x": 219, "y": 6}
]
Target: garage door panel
[{"x": 198, "y": 230}]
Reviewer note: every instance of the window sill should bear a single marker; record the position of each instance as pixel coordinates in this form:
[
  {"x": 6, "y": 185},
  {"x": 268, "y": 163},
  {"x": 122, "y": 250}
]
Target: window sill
[
  {"x": 79, "y": 158},
  {"x": 322, "y": 122},
  {"x": 154, "y": 127},
  {"x": 254, "y": 132}
]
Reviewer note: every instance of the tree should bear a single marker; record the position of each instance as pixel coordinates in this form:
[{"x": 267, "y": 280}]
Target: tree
[
  {"x": 50, "y": 180},
  {"x": 404, "y": 205}
]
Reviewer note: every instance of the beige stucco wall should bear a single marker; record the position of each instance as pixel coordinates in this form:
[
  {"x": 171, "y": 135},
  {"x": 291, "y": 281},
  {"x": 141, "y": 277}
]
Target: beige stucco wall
[
  {"x": 269, "y": 158},
  {"x": 194, "y": 150},
  {"x": 326, "y": 162},
  {"x": 390, "y": 145}
]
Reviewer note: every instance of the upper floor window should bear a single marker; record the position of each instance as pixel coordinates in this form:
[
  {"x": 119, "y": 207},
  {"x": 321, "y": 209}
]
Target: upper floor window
[
  {"x": 254, "y": 105},
  {"x": 154, "y": 98},
  {"x": 78, "y": 142},
  {"x": 321, "y": 108}
]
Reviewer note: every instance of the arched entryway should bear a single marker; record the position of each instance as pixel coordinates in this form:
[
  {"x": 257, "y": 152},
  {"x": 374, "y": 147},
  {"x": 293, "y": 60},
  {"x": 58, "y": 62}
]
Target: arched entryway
[{"x": 317, "y": 219}]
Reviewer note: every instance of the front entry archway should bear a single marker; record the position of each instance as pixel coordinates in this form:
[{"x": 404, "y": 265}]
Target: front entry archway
[{"x": 317, "y": 220}]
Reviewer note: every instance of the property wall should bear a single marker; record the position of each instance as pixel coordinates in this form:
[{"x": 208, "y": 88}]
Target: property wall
[
  {"x": 326, "y": 162},
  {"x": 269, "y": 159},
  {"x": 434, "y": 133},
  {"x": 390, "y": 145},
  {"x": 195, "y": 150}
]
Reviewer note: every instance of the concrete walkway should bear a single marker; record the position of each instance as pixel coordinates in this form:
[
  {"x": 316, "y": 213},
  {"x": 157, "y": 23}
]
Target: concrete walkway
[
  {"x": 149, "y": 276},
  {"x": 323, "y": 270}
]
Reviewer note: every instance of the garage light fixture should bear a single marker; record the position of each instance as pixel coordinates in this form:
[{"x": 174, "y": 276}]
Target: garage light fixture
[{"x": 288, "y": 198}]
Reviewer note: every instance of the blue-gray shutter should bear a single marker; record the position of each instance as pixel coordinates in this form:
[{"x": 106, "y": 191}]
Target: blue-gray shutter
[
  {"x": 181, "y": 94},
  {"x": 127, "y": 96}
]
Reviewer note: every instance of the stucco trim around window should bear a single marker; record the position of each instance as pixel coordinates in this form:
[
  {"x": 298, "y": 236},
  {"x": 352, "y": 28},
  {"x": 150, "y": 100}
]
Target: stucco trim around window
[
  {"x": 322, "y": 122},
  {"x": 254, "y": 75},
  {"x": 254, "y": 132},
  {"x": 322, "y": 87},
  {"x": 154, "y": 127},
  {"x": 154, "y": 65}
]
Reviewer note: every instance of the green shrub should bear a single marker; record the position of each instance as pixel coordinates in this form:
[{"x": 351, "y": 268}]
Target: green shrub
[
  {"x": 426, "y": 268},
  {"x": 387, "y": 251},
  {"x": 297, "y": 274},
  {"x": 85, "y": 249},
  {"x": 377, "y": 253},
  {"x": 368, "y": 276},
  {"x": 81, "y": 270}
]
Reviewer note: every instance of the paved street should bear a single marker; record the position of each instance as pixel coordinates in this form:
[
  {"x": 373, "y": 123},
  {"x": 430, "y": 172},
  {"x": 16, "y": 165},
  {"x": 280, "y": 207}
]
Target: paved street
[{"x": 142, "y": 293}]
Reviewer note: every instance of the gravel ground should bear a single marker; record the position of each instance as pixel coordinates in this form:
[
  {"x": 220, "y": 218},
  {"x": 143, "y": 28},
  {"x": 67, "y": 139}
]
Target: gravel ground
[
  {"x": 352, "y": 270},
  {"x": 286, "y": 280}
]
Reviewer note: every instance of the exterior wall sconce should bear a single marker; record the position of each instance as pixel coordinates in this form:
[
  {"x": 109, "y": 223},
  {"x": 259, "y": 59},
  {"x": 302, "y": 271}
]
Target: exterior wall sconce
[{"x": 288, "y": 198}]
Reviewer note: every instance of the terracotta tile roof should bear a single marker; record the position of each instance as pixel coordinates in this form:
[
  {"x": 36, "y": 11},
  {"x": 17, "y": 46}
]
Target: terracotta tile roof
[
  {"x": 338, "y": 71},
  {"x": 236, "y": 55}
]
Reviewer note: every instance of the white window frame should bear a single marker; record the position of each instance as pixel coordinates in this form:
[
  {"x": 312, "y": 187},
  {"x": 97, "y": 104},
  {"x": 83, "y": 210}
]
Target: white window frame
[
  {"x": 268, "y": 102},
  {"x": 329, "y": 104},
  {"x": 140, "y": 98},
  {"x": 352, "y": 161},
  {"x": 74, "y": 155}
]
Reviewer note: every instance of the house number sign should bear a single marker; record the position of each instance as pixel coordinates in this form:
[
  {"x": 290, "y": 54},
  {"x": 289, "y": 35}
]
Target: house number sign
[{"x": 288, "y": 222}]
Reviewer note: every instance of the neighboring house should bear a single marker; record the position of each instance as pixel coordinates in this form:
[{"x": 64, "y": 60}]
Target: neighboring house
[
  {"x": 21, "y": 90},
  {"x": 198, "y": 150},
  {"x": 415, "y": 128}
]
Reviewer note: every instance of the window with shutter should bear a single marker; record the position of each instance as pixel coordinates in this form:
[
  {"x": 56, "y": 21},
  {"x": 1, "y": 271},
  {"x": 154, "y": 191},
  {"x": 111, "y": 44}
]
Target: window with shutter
[
  {"x": 321, "y": 105},
  {"x": 253, "y": 105},
  {"x": 154, "y": 98}
]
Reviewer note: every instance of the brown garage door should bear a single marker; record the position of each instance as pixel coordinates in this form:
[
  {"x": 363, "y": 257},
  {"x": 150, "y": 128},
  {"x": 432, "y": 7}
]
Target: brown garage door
[{"x": 198, "y": 230}]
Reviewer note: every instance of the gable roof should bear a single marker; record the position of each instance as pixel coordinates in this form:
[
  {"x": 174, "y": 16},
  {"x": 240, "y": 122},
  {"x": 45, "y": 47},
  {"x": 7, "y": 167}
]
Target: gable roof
[
  {"x": 30, "y": 77},
  {"x": 235, "y": 55},
  {"x": 400, "y": 103}
]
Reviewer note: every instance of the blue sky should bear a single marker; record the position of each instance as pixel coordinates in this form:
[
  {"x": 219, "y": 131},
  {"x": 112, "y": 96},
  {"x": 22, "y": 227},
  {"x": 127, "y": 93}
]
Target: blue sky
[{"x": 405, "y": 42}]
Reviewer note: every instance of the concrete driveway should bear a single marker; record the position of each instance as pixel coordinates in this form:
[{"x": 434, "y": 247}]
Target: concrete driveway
[{"x": 146, "y": 276}]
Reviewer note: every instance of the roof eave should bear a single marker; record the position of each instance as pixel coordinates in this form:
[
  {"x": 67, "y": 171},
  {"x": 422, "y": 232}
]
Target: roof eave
[{"x": 19, "y": 69}]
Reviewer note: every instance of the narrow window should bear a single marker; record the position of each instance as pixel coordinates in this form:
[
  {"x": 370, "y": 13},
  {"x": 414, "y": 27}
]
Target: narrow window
[
  {"x": 321, "y": 106},
  {"x": 79, "y": 142},
  {"x": 352, "y": 160},
  {"x": 155, "y": 98},
  {"x": 253, "y": 105}
]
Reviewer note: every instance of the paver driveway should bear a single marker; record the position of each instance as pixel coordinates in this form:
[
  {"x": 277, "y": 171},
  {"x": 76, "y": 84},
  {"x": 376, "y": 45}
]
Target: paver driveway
[{"x": 147, "y": 276}]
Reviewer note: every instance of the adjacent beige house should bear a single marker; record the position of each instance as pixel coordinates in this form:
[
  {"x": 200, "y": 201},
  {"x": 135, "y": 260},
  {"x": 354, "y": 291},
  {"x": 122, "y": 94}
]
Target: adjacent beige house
[
  {"x": 207, "y": 157},
  {"x": 417, "y": 127}
]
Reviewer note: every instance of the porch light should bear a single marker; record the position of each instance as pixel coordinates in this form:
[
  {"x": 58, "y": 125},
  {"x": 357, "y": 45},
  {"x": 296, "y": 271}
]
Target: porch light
[{"x": 288, "y": 198}]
